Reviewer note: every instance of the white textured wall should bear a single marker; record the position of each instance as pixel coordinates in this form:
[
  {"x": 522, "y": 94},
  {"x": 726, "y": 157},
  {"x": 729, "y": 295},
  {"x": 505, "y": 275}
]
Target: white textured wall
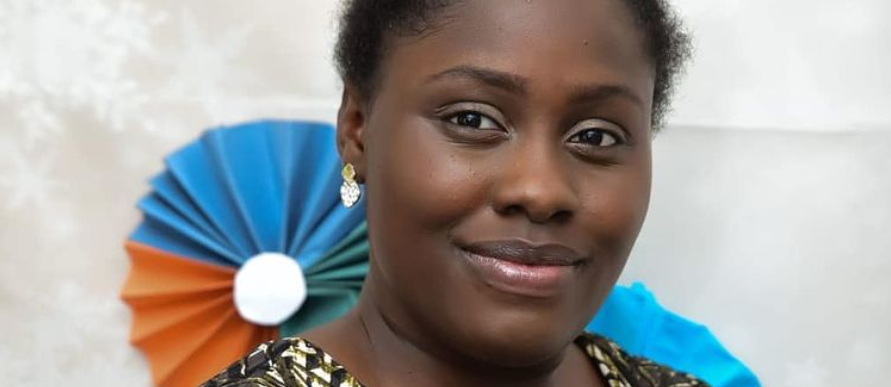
[
  {"x": 775, "y": 238},
  {"x": 791, "y": 64}
]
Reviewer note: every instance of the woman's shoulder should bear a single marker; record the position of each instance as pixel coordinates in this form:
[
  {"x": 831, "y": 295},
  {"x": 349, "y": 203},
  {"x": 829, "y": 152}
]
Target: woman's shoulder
[
  {"x": 624, "y": 370},
  {"x": 287, "y": 362}
]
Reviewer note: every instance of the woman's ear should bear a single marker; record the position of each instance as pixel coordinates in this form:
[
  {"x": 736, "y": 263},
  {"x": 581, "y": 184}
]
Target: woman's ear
[{"x": 351, "y": 121}]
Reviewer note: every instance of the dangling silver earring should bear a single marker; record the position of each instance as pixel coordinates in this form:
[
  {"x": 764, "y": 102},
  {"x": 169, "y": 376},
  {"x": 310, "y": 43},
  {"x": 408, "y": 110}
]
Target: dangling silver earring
[{"x": 349, "y": 191}]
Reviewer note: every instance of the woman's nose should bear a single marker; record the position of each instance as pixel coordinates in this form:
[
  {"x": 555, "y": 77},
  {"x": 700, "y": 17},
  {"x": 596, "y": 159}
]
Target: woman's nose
[{"x": 535, "y": 181}]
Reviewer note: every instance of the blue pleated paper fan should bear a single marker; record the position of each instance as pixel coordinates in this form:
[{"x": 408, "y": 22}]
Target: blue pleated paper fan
[
  {"x": 254, "y": 197},
  {"x": 253, "y": 188},
  {"x": 244, "y": 238}
]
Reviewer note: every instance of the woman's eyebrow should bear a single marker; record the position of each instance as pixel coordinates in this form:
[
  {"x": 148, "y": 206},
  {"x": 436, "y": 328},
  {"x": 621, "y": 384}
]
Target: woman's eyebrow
[
  {"x": 509, "y": 82},
  {"x": 516, "y": 84},
  {"x": 600, "y": 92}
]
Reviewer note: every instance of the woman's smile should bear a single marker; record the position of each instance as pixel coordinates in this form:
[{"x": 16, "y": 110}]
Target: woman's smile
[{"x": 521, "y": 268}]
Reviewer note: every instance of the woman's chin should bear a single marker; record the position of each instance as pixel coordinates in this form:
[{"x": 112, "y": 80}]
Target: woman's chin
[
  {"x": 507, "y": 329},
  {"x": 514, "y": 341}
]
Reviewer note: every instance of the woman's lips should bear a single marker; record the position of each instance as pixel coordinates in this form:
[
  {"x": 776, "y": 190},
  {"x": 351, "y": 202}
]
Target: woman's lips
[{"x": 523, "y": 269}]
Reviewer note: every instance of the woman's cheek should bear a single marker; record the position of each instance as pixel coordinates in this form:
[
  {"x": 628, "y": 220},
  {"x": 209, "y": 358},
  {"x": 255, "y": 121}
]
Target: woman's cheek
[
  {"x": 434, "y": 180},
  {"x": 617, "y": 207}
]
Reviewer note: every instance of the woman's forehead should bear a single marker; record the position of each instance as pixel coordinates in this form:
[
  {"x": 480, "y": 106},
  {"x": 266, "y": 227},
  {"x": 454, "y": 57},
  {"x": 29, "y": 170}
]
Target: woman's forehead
[
  {"x": 579, "y": 18},
  {"x": 581, "y": 41}
]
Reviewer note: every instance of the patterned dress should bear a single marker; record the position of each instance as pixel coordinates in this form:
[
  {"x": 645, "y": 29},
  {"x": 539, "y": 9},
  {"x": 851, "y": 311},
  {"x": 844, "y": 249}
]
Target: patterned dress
[{"x": 294, "y": 362}]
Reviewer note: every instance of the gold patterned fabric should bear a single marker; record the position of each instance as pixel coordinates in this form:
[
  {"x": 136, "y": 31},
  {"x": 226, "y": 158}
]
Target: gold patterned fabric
[
  {"x": 622, "y": 370},
  {"x": 295, "y": 362}
]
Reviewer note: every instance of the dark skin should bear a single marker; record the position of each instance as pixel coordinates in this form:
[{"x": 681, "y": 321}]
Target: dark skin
[{"x": 513, "y": 120}]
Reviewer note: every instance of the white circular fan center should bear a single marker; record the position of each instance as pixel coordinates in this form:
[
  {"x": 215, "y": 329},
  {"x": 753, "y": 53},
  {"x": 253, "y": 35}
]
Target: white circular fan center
[{"x": 269, "y": 288}]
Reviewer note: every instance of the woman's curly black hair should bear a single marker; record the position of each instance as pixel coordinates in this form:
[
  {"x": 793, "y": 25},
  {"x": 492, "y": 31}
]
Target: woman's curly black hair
[{"x": 365, "y": 26}]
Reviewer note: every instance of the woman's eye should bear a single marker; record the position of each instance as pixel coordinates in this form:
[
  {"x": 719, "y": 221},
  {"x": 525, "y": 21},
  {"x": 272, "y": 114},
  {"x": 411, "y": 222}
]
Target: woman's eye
[
  {"x": 596, "y": 137},
  {"x": 473, "y": 120}
]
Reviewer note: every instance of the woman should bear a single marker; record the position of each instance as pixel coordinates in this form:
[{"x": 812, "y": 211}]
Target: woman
[{"x": 504, "y": 147}]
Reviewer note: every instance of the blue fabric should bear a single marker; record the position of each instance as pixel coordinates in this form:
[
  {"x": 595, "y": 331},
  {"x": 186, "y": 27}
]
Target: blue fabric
[{"x": 632, "y": 318}]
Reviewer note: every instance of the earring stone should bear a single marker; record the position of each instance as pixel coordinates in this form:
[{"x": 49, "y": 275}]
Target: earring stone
[{"x": 349, "y": 190}]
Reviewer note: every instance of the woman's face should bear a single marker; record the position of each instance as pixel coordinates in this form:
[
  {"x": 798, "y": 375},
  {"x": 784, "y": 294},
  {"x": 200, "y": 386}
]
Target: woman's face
[{"x": 506, "y": 162}]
